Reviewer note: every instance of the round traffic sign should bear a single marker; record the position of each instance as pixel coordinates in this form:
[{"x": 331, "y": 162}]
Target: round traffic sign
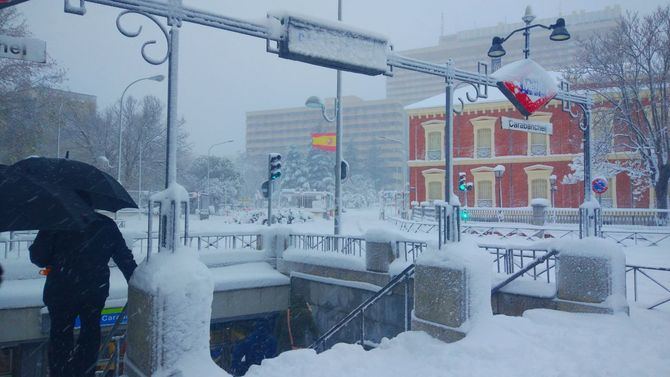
[{"x": 599, "y": 185}]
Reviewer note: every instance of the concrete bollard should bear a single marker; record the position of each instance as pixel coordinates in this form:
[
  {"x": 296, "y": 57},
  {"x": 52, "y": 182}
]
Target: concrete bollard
[
  {"x": 591, "y": 277},
  {"x": 539, "y": 211},
  {"x": 379, "y": 250},
  {"x": 451, "y": 290}
]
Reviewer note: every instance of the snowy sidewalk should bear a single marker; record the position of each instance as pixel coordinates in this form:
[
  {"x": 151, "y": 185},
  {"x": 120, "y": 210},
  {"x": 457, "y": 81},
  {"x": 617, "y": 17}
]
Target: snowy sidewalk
[{"x": 541, "y": 343}]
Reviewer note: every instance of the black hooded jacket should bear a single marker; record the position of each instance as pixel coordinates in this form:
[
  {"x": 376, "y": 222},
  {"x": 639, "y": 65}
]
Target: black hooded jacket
[{"x": 79, "y": 261}]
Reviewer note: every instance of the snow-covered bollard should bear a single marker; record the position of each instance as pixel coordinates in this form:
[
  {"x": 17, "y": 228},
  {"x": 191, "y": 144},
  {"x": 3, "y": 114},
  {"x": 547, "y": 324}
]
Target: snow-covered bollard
[
  {"x": 539, "y": 206},
  {"x": 378, "y": 250},
  {"x": 591, "y": 276},
  {"x": 452, "y": 290},
  {"x": 169, "y": 313}
]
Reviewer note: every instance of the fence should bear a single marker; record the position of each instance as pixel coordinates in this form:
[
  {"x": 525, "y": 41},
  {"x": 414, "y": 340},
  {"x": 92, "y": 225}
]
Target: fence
[
  {"x": 524, "y": 215},
  {"x": 320, "y": 242}
]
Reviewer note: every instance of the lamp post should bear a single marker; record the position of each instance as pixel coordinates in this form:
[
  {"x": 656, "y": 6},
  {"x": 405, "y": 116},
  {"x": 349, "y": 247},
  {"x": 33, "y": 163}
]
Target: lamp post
[
  {"x": 316, "y": 103},
  {"x": 558, "y": 33},
  {"x": 209, "y": 155},
  {"x": 554, "y": 188},
  {"x": 139, "y": 176},
  {"x": 499, "y": 171},
  {"x": 157, "y": 78}
]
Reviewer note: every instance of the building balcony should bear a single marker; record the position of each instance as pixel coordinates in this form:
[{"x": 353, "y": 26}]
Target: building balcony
[
  {"x": 483, "y": 152},
  {"x": 538, "y": 149},
  {"x": 433, "y": 155}
]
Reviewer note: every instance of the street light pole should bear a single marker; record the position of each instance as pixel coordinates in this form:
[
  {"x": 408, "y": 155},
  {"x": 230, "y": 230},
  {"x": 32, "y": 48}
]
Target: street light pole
[
  {"x": 157, "y": 78},
  {"x": 338, "y": 142}
]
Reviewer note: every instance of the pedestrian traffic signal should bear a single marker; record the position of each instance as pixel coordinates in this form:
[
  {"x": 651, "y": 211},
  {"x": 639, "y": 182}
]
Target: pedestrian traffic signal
[
  {"x": 274, "y": 166},
  {"x": 469, "y": 186},
  {"x": 464, "y": 214},
  {"x": 461, "y": 182}
]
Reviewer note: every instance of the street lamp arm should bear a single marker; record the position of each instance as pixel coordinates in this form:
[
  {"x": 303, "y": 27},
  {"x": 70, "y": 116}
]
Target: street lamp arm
[
  {"x": 503, "y": 40},
  {"x": 335, "y": 112}
]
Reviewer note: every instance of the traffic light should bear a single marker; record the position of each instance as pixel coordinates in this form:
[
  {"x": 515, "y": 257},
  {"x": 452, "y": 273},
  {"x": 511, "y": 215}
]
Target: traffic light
[
  {"x": 464, "y": 214},
  {"x": 344, "y": 170},
  {"x": 274, "y": 166},
  {"x": 469, "y": 186},
  {"x": 461, "y": 182}
]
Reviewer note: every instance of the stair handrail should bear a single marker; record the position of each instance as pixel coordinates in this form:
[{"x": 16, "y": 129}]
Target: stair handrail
[
  {"x": 405, "y": 274},
  {"x": 524, "y": 270}
]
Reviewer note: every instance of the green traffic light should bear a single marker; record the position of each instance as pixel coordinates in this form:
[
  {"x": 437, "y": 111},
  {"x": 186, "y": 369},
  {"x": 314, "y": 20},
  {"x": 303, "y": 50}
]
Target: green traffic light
[
  {"x": 464, "y": 214},
  {"x": 462, "y": 187}
]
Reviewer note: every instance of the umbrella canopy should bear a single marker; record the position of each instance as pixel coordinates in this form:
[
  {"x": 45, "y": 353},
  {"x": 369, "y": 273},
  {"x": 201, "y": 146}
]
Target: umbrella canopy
[
  {"x": 99, "y": 188},
  {"x": 29, "y": 204}
]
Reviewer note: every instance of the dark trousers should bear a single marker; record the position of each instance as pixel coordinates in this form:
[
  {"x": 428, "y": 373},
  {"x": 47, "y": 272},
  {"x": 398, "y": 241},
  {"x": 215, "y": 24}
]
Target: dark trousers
[{"x": 66, "y": 359}]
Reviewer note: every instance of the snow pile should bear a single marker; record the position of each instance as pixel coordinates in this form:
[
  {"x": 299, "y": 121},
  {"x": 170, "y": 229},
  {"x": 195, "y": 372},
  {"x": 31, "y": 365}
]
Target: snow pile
[
  {"x": 466, "y": 255},
  {"x": 247, "y": 275},
  {"x": 608, "y": 250},
  {"x": 325, "y": 258},
  {"x": 183, "y": 287},
  {"x": 174, "y": 192},
  {"x": 555, "y": 343},
  {"x": 540, "y": 202},
  {"x": 380, "y": 235}
]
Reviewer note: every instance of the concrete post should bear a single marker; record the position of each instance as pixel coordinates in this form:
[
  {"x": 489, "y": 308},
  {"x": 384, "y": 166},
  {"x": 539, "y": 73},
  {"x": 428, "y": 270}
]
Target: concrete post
[
  {"x": 591, "y": 277},
  {"x": 378, "y": 256},
  {"x": 450, "y": 291},
  {"x": 539, "y": 212}
]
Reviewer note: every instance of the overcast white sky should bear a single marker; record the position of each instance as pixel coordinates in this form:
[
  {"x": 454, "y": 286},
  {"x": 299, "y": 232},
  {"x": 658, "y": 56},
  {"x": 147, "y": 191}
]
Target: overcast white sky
[{"x": 222, "y": 75}]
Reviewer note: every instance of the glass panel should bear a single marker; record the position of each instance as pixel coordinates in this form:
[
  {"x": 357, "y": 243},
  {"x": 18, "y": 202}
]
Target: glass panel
[
  {"x": 484, "y": 142},
  {"x": 539, "y": 188},
  {"x": 538, "y": 144},
  {"x": 485, "y": 194},
  {"x": 434, "y": 148},
  {"x": 434, "y": 191}
]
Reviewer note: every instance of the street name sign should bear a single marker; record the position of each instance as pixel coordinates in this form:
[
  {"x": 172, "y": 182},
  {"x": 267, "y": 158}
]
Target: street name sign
[
  {"x": 526, "y": 84},
  {"x": 531, "y": 126},
  {"x": 332, "y": 44},
  {"x": 29, "y": 49}
]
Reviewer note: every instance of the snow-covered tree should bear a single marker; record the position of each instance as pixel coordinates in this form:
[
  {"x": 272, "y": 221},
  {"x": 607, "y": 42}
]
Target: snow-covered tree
[
  {"x": 629, "y": 68},
  {"x": 321, "y": 168},
  {"x": 359, "y": 192},
  {"x": 295, "y": 170},
  {"x": 225, "y": 182}
]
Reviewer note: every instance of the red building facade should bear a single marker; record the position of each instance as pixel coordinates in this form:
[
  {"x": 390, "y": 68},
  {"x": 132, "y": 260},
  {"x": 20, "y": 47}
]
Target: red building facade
[{"x": 531, "y": 161}]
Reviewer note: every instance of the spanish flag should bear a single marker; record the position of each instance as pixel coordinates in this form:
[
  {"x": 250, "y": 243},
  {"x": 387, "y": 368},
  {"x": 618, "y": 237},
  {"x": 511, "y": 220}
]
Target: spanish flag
[{"x": 324, "y": 141}]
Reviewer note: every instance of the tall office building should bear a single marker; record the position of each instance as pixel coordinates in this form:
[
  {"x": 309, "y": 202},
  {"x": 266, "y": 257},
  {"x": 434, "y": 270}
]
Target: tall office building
[
  {"x": 468, "y": 47},
  {"x": 378, "y": 126}
]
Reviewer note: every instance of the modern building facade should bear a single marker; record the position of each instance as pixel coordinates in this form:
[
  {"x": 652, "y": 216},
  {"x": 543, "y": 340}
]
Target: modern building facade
[
  {"x": 468, "y": 47},
  {"x": 531, "y": 160},
  {"x": 378, "y": 125}
]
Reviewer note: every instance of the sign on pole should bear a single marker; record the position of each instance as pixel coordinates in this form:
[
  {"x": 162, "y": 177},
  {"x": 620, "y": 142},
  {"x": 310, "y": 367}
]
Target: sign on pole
[
  {"x": 526, "y": 84},
  {"x": 544, "y": 128},
  {"x": 599, "y": 185},
  {"x": 30, "y": 49},
  {"x": 332, "y": 44}
]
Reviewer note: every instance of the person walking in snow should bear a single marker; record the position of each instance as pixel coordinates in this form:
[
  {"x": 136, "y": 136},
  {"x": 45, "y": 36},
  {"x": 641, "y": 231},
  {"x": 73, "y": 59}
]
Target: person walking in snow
[{"x": 77, "y": 284}]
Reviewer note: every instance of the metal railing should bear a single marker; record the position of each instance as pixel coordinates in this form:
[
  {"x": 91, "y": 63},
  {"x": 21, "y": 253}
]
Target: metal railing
[
  {"x": 409, "y": 249},
  {"x": 645, "y": 271},
  {"x": 525, "y": 261},
  {"x": 359, "y": 312},
  {"x": 339, "y": 244}
]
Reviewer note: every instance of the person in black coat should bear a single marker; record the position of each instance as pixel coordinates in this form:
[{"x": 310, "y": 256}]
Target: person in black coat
[{"x": 77, "y": 284}]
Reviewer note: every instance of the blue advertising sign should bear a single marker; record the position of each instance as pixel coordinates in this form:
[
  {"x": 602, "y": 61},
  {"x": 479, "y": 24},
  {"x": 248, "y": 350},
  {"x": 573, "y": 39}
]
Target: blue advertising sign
[{"x": 107, "y": 318}]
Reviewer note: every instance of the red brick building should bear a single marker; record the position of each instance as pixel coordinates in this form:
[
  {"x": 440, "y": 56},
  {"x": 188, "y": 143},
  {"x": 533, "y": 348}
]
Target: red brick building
[{"x": 529, "y": 159}]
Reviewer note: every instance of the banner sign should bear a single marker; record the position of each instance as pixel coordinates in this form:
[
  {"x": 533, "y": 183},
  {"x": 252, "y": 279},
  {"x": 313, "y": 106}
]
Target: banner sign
[
  {"x": 324, "y": 141},
  {"x": 30, "y": 49},
  {"x": 544, "y": 128},
  {"x": 107, "y": 318},
  {"x": 526, "y": 84}
]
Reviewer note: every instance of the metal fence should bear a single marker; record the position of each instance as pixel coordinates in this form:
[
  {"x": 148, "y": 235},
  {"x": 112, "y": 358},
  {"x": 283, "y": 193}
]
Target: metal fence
[
  {"x": 524, "y": 215},
  {"x": 330, "y": 243}
]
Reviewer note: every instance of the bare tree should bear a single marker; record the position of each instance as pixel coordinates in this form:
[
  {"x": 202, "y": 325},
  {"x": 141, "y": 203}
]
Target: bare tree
[{"x": 628, "y": 67}]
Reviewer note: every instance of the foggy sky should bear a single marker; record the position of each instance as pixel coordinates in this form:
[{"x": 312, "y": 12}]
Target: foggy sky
[{"x": 222, "y": 74}]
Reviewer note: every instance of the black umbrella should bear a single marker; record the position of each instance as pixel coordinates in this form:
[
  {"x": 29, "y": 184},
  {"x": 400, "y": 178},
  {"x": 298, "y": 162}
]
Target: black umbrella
[
  {"x": 101, "y": 189},
  {"x": 29, "y": 204}
]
